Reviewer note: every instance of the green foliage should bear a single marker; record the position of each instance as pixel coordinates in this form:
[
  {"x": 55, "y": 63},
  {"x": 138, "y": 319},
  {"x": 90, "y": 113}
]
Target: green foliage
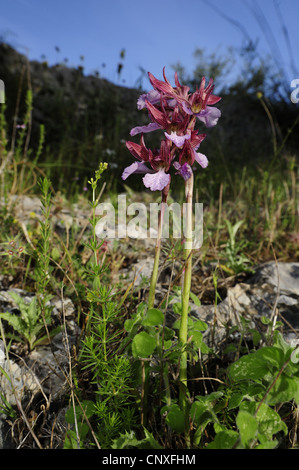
[
  {"x": 257, "y": 382},
  {"x": 235, "y": 259},
  {"x": 29, "y": 324},
  {"x": 129, "y": 440},
  {"x": 126, "y": 350}
]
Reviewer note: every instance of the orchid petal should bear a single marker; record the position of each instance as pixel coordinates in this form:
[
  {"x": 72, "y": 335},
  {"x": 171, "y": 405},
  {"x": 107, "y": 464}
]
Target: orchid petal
[
  {"x": 184, "y": 170},
  {"x": 201, "y": 159},
  {"x": 136, "y": 167},
  {"x": 163, "y": 87},
  {"x": 152, "y": 126},
  {"x": 156, "y": 181},
  {"x": 178, "y": 140},
  {"x": 209, "y": 116},
  {"x": 152, "y": 96},
  {"x": 186, "y": 107}
]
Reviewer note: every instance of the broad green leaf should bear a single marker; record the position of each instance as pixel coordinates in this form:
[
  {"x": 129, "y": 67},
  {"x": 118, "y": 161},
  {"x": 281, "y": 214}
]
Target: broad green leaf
[
  {"x": 129, "y": 324},
  {"x": 153, "y": 317},
  {"x": 196, "y": 338},
  {"x": 269, "y": 421},
  {"x": 248, "y": 426},
  {"x": 212, "y": 397},
  {"x": 167, "y": 344},
  {"x": 175, "y": 417},
  {"x": 285, "y": 389},
  {"x": 267, "y": 445},
  {"x": 248, "y": 367},
  {"x": 271, "y": 356},
  {"x": 224, "y": 440},
  {"x": 176, "y": 324},
  {"x": 200, "y": 325},
  {"x": 281, "y": 343},
  {"x": 143, "y": 345},
  {"x": 196, "y": 410},
  {"x": 168, "y": 333},
  {"x": 235, "y": 401}
]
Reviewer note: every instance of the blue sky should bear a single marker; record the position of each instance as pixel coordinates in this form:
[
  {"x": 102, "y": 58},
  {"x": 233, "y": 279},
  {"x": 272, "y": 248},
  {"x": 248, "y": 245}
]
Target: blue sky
[{"x": 153, "y": 33}]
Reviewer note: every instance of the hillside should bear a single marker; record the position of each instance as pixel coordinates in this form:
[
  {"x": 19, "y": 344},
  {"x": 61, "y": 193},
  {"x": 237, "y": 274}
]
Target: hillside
[{"x": 87, "y": 119}]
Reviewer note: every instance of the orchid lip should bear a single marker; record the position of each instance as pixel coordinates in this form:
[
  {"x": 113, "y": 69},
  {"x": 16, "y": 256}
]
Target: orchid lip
[
  {"x": 178, "y": 140},
  {"x": 152, "y": 126}
]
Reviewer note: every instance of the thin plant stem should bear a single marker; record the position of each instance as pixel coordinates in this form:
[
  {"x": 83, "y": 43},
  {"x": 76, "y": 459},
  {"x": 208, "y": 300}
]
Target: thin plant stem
[
  {"x": 183, "y": 331},
  {"x": 154, "y": 278}
]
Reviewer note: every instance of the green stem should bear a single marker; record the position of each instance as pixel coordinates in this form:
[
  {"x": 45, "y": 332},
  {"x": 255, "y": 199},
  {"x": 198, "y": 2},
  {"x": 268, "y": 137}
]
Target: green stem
[
  {"x": 94, "y": 222},
  {"x": 154, "y": 278},
  {"x": 183, "y": 331},
  {"x": 152, "y": 290}
]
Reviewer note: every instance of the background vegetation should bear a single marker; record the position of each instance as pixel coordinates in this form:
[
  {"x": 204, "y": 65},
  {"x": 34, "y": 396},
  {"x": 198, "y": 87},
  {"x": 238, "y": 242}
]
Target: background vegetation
[{"x": 56, "y": 127}]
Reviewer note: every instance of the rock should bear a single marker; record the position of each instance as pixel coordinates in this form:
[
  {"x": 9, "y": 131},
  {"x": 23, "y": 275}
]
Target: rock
[
  {"x": 44, "y": 370},
  {"x": 140, "y": 270},
  {"x": 15, "y": 380},
  {"x": 272, "y": 290},
  {"x": 283, "y": 277}
]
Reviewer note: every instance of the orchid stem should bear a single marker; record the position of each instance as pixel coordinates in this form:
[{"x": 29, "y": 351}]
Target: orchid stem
[
  {"x": 152, "y": 290},
  {"x": 183, "y": 331},
  {"x": 154, "y": 278}
]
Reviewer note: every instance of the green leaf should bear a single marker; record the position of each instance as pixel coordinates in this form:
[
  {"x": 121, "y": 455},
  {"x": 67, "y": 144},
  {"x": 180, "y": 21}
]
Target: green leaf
[
  {"x": 224, "y": 440},
  {"x": 200, "y": 325},
  {"x": 267, "y": 445},
  {"x": 71, "y": 440},
  {"x": 177, "y": 308},
  {"x": 271, "y": 356},
  {"x": 235, "y": 401},
  {"x": 5, "y": 374},
  {"x": 195, "y": 299},
  {"x": 143, "y": 345},
  {"x": 153, "y": 317},
  {"x": 175, "y": 417},
  {"x": 137, "y": 318},
  {"x": 149, "y": 438},
  {"x": 129, "y": 324},
  {"x": 196, "y": 410},
  {"x": 196, "y": 338},
  {"x": 269, "y": 421},
  {"x": 248, "y": 426},
  {"x": 129, "y": 439},
  {"x": 14, "y": 320},
  {"x": 248, "y": 367},
  {"x": 87, "y": 406},
  {"x": 177, "y": 323},
  {"x": 285, "y": 389}
]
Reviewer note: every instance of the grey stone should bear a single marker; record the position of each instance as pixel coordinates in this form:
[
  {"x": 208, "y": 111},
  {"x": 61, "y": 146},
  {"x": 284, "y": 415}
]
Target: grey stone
[
  {"x": 271, "y": 291},
  {"x": 283, "y": 277}
]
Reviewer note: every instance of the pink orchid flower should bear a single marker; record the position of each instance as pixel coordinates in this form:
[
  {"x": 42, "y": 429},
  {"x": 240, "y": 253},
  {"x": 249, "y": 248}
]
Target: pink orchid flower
[
  {"x": 174, "y": 111},
  {"x": 156, "y": 178},
  {"x": 197, "y": 104}
]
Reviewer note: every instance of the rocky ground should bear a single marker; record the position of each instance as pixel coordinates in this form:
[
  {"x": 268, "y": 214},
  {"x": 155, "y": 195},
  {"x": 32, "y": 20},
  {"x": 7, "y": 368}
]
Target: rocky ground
[{"x": 37, "y": 381}]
